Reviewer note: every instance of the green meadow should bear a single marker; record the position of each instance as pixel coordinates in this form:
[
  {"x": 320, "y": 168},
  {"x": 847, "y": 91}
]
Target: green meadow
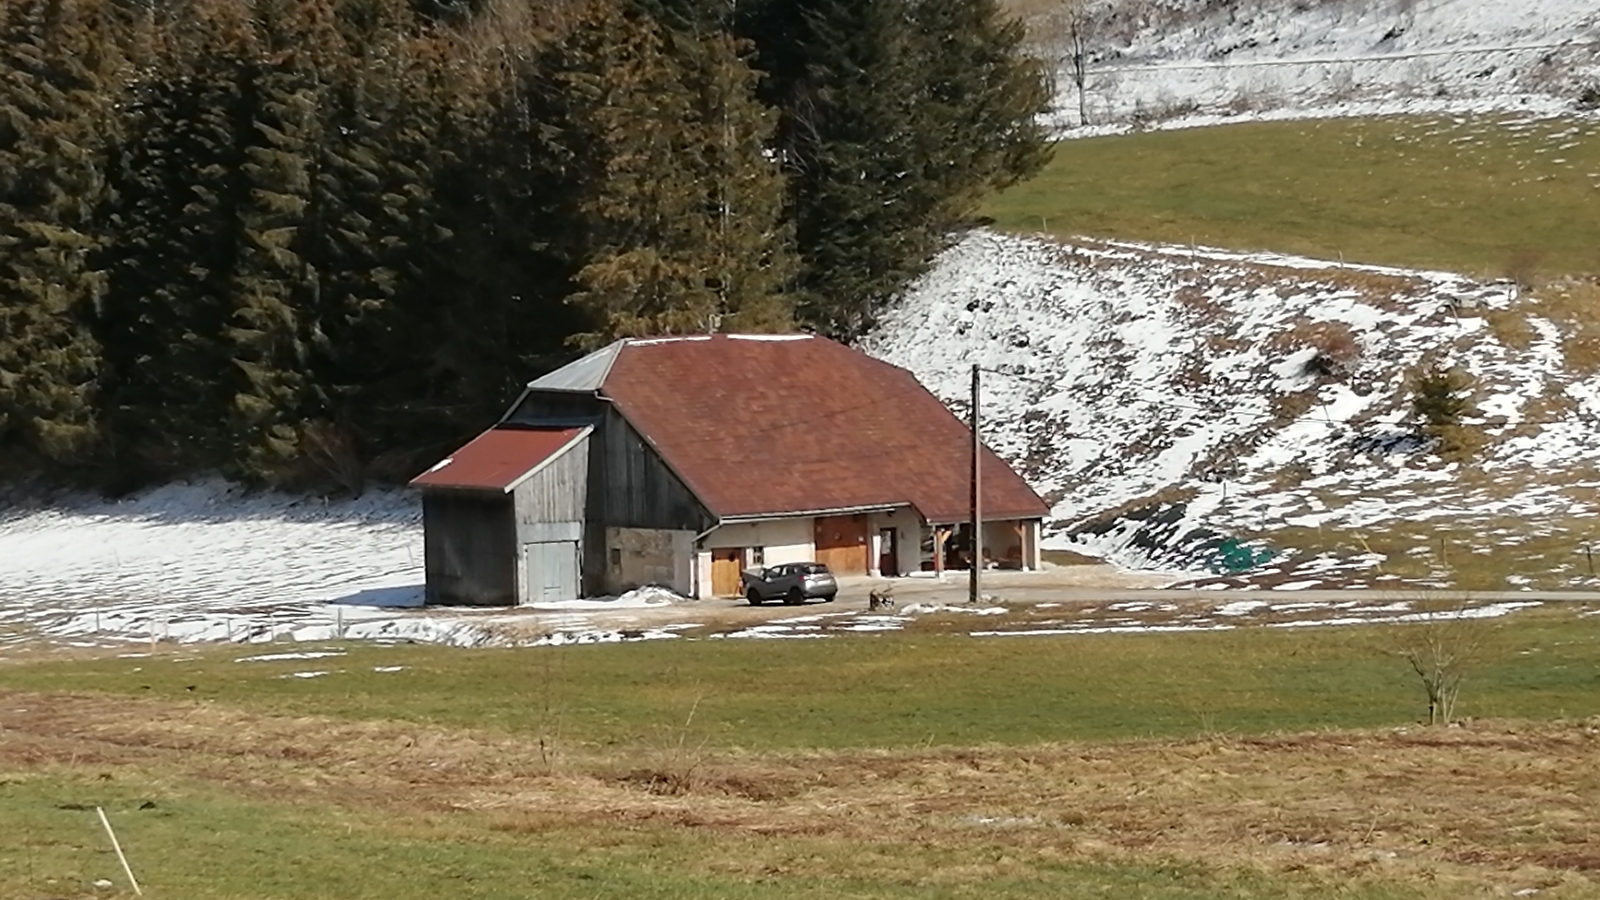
[
  {"x": 1492, "y": 196},
  {"x": 1257, "y": 762}
]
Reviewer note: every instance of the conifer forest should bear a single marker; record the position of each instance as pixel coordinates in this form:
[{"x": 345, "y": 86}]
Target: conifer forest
[{"x": 323, "y": 241}]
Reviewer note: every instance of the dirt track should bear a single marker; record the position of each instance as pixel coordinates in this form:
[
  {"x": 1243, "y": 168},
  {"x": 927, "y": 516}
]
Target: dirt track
[{"x": 1098, "y": 589}]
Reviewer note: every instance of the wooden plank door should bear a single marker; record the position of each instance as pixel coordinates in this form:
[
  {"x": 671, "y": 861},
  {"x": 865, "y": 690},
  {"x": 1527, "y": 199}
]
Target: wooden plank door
[
  {"x": 550, "y": 571},
  {"x": 725, "y": 567},
  {"x": 841, "y": 543}
]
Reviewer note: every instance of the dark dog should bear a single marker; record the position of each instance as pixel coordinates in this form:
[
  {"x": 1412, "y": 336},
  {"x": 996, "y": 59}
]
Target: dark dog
[{"x": 881, "y": 599}]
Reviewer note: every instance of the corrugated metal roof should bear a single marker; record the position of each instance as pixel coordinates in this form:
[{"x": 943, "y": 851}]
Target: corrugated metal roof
[
  {"x": 586, "y": 374},
  {"x": 767, "y": 426},
  {"x": 499, "y": 458}
]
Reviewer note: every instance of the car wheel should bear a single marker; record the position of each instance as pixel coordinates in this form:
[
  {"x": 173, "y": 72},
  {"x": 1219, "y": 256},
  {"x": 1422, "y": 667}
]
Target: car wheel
[
  {"x": 794, "y": 597},
  {"x": 828, "y": 598},
  {"x": 753, "y": 597}
]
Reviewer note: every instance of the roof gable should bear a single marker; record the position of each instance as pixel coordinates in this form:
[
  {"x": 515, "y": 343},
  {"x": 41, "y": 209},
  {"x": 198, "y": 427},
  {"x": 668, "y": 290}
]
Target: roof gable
[
  {"x": 584, "y": 374},
  {"x": 767, "y": 425}
]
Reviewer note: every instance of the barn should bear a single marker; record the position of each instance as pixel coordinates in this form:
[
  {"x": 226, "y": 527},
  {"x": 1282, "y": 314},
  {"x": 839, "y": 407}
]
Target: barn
[{"x": 680, "y": 461}]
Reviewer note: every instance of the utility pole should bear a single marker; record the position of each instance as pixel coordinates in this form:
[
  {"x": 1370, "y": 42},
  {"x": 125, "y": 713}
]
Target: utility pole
[{"x": 975, "y": 579}]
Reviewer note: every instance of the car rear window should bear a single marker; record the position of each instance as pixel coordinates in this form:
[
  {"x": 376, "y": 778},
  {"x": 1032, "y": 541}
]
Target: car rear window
[{"x": 813, "y": 569}]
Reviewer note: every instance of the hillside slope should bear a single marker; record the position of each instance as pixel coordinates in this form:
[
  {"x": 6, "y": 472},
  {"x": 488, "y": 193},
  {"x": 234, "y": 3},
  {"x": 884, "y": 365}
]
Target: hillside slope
[
  {"x": 1159, "y": 59},
  {"x": 1166, "y": 399}
]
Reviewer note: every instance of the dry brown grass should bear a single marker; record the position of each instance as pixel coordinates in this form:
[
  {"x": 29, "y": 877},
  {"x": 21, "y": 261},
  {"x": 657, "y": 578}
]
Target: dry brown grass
[
  {"x": 1510, "y": 327},
  {"x": 1487, "y": 806},
  {"x": 1335, "y": 344},
  {"x": 1574, "y": 304}
]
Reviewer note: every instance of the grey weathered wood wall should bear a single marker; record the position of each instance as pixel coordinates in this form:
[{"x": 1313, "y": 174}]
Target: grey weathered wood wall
[
  {"x": 556, "y": 493},
  {"x": 469, "y": 548},
  {"x": 637, "y": 489}
]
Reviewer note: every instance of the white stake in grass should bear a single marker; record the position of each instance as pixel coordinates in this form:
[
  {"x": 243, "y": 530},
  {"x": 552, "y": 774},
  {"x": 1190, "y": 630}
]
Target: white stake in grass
[{"x": 118, "y": 847}]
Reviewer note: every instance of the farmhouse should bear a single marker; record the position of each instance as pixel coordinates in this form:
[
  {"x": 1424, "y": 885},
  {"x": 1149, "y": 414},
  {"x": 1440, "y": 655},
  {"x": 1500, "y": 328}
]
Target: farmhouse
[{"x": 681, "y": 461}]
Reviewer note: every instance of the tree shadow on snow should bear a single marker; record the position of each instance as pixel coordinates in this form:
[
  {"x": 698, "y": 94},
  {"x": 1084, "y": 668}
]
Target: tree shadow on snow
[
  {"x": 410, "y": 595},
  {"x": 1387, "y": 442}
]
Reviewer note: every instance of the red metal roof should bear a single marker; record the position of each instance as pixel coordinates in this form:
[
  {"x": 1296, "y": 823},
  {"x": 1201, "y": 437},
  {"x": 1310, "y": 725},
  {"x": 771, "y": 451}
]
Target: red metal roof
[
  {"x": 498, "y": 458},
  {"x": 769, "y": 426}
]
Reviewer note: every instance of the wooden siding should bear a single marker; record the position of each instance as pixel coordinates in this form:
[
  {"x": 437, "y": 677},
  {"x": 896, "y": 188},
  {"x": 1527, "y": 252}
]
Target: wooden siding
[
  {"x": 549, "y": 506},
  {"x": 627, "y": 484},
  {"x": 842, "y": 543},
  {"x": 634, "y": 488},
  {"x": 469, "y": 548},
  {"x": 557, "y": 492}
]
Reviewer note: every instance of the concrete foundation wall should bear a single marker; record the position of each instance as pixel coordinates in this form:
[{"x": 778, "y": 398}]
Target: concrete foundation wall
[
  {"x": 702, "y": 575},
  {"x": 907, "y": 526},
  {"x": 780, "y": 540},
  {"x": 639, "y": 556}
]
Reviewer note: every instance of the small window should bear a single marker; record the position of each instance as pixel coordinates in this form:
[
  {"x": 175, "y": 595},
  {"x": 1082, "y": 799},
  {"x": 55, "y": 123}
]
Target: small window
[
  {"x": 616, "y": 557},
  {"x": 758, "y": 556}
]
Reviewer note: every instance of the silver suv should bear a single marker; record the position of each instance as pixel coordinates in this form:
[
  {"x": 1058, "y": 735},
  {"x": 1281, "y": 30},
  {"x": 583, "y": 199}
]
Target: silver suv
[{"x": 793, "y": 583}]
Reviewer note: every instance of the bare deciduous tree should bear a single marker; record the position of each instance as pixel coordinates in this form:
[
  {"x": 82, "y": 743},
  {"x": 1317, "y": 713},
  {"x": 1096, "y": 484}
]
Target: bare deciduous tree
[
  {"x": 1063, "y": 32},
  {"x": 1446, "y": 643}
]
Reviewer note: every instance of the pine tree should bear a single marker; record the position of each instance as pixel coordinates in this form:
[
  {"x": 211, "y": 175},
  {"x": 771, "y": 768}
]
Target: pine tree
[
  {"x": 57, "y": 78},
  {"x": 276, "y": 284},
  {"x": 896, "y": 116},
  {"x": 864, "y": 212},
  {"x": 622, "y": 115},
  {"x": 748, "y": 244},
  {"x": 386, "y": 149},
  {"x": 505, "y": 198},
  {"x": 981, "y": 102},
  {"x": 169, "y": 381},
  {"x": 681, "y": 209}
]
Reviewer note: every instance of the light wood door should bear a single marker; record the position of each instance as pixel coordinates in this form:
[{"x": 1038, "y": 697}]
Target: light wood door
[
  {"x": 842, "y": 543},
  {"x": 725, "y": 567},
  {"x": 550, "y": 571}
]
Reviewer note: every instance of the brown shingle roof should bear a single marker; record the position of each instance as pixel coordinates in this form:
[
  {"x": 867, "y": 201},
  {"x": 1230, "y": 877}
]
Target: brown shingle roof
[
  {"x": 762, "y": 426},
  {"x": 497, "y": 459}
]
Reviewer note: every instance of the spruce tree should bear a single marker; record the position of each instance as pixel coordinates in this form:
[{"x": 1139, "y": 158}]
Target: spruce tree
[
  {"x": 981, "y": 102},
  {"x": 680, "y": 206},
  {"x": 169, "y": 381},
  {"x": 386, "y": 149},
  {"x": 896, "y": 116},
  {"x": 748, "y": 244},
  {"x": 276, "y": 285},
  {"x": 57, "y": 80}
]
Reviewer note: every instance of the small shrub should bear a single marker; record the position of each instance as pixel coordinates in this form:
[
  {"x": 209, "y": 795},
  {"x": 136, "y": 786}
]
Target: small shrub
[
  {"x": 1524, "y": 266},
  {"x": 1441, "y": 397},
  {"x": 1336, "y": 346},
  {"x": 1288, "y": 407}
]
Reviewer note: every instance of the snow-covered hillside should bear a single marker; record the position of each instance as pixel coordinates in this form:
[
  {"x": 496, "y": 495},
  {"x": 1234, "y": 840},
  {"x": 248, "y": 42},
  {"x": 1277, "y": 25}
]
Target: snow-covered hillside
[
  {"x": 1248, "y": 394},
  {"x": 1199, "y": 60}
]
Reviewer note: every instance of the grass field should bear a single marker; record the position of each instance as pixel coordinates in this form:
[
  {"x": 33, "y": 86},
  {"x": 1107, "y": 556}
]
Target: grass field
[
  {"x": 1251, "y": 763},
  {"x": 1489, "y": 196}
]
